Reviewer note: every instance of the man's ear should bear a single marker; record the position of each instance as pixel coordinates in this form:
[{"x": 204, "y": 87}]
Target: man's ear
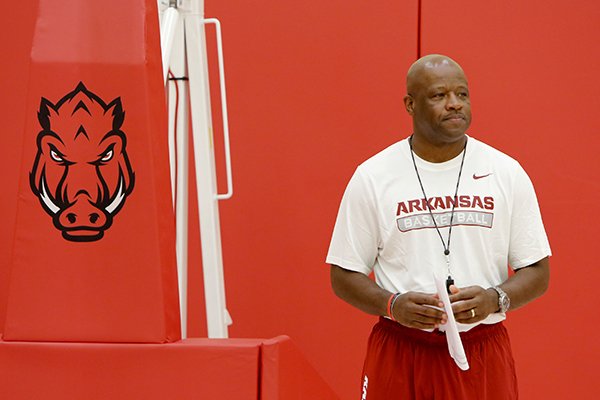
[{"x": 409, "y": 104}]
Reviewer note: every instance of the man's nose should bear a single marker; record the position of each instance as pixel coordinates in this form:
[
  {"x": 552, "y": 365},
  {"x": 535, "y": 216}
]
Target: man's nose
[{"x": 453, "y": 102}]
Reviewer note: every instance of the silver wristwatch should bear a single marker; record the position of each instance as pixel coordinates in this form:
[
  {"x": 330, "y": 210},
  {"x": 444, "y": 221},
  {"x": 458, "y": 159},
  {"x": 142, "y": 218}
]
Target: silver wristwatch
[{"x": 503, "y": 300}]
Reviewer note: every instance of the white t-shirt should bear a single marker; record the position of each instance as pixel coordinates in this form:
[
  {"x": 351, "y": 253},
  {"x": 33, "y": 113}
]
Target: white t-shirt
[{"x": 384, "y": 225}]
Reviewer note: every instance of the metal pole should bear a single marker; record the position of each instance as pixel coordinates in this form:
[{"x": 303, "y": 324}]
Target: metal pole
[
  {"x": 184, "y": 51},
  {"x": 212, "y": 261},
  {"x": 178, "y": 145}
]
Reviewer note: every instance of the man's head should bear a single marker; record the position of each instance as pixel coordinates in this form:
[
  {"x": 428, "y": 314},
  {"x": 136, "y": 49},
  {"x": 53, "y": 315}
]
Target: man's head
[{"x": 438, "y": 99}]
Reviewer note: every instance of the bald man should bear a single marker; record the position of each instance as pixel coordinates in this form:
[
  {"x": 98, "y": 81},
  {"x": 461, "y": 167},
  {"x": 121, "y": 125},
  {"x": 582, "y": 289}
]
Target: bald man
[{"x": 439, "y": 202}]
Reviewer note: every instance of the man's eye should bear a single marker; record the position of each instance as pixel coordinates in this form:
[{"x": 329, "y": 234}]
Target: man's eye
[
  {"x": 55, "y": 156},
  {"x": 107, "y": 156}
]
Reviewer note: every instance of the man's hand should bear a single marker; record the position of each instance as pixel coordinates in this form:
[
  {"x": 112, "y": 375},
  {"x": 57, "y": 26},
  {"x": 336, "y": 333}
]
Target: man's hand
[
  {"x": 473, "y": 303},
  {"x": 414, "y": 309}
]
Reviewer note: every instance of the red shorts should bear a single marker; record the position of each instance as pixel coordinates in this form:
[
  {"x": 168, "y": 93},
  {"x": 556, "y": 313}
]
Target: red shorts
[{"x": 410, "y": 364}]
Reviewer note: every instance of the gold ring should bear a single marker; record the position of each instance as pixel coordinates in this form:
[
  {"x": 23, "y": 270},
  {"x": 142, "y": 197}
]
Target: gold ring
[{"x": 472, "y": 313}]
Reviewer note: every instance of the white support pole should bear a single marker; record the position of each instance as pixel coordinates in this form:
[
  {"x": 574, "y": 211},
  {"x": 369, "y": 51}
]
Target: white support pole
[
  {"x": 179, "y": 69},
  {"x": 169, "y": 22},
  {"x": 184, "y": 53},
  {"x": 178, "y": 149},
  {"x": 206, "y": 182}
]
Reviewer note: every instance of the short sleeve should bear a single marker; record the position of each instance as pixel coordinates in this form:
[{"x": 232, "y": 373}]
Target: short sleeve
[
  {"x": 355, "y": 239},
  {"x": 528, "y": 240}
]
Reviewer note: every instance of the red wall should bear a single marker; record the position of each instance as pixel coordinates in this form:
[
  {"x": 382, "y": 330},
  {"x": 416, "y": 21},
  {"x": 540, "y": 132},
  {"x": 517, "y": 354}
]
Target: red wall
[
  {"x": 316, "y": 87},
  {"x": 533, "y": 70}
]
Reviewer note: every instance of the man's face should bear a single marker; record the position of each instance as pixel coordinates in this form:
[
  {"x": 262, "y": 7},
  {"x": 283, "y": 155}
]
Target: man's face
[{"x": 439, "y": 103}]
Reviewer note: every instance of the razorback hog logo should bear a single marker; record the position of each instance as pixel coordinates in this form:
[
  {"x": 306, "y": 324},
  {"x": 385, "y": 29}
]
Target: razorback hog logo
[{"x": 81, "y": 172}]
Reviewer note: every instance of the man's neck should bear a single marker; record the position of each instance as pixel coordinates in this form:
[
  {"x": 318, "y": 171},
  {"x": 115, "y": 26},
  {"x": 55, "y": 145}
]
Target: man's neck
[{"x": 439, "y": 152}]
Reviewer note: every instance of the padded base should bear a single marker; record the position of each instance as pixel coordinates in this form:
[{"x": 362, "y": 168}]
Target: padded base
[{"x": 189, "y": 369}]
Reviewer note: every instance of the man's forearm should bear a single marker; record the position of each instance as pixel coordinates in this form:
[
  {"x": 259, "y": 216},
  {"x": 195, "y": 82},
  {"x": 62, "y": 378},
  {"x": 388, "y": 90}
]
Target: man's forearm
[
  {"x": 411, "y": 309},
  {"x": 527, "y": 283},
  {"x": 359, "y": 290}
]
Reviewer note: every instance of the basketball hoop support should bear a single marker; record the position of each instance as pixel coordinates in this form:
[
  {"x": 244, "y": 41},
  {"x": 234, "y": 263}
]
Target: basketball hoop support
[{"x": 183, "y": 44}]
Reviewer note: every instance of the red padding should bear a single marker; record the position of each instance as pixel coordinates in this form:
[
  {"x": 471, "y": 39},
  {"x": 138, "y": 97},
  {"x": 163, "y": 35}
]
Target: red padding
[
  {"x": 190, "y": 369},
  {"x": 93, "y": 257},
  {"x": 224, "y": 369},
  {"x": 287, "y": 375}
]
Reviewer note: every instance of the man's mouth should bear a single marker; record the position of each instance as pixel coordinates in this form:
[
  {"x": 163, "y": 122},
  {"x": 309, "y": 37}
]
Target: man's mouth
[{"x": 454, "y": 117}]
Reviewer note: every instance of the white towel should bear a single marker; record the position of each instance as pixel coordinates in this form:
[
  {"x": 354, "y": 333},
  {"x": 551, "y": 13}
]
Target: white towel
[{"x": 455, "y": 346}]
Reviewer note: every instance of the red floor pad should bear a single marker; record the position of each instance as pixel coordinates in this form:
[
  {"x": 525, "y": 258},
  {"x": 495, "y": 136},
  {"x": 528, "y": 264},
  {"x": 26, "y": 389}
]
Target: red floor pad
[
  {"x": 286, "y": 374},
  {"x": 190, "y": 369}
]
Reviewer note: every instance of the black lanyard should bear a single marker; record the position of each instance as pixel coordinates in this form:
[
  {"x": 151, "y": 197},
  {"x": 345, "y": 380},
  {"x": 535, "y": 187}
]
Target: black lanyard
[{"x": 449, "y": 281}]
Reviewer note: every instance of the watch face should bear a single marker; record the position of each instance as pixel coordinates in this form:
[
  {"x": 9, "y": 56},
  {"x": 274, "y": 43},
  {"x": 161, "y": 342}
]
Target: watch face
[{"x": 504, "y": 302}]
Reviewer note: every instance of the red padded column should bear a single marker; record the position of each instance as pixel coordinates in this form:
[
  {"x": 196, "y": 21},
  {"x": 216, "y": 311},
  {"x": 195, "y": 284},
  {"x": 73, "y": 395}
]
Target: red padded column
[
  {"x": 93, "y": 256},
  {"x": 16, "y": 34}
]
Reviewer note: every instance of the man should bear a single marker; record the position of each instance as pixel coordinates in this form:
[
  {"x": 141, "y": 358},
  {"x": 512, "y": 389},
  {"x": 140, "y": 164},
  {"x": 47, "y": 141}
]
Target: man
[{"x": 438, "y": 202}]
